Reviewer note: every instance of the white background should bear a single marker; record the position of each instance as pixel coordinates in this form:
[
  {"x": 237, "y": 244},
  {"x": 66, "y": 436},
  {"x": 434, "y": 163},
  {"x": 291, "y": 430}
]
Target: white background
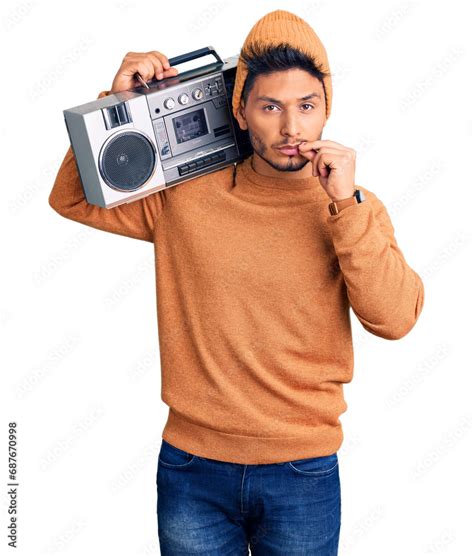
[{"x": 79, "y": 354}]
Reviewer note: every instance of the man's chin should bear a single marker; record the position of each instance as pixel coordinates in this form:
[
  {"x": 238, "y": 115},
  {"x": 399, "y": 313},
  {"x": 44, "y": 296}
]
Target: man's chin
[{"x": 293, "y": 163}]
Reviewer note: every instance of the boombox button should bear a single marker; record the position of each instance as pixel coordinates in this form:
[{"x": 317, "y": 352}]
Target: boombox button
[
  {"x": 192, "y": 165},
  {"x": 183, "y": 169},
  {"x": 200, "y": 163}
]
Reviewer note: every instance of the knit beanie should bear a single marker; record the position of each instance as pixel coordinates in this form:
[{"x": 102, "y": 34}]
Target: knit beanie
[{"x": 277, "y": 27}]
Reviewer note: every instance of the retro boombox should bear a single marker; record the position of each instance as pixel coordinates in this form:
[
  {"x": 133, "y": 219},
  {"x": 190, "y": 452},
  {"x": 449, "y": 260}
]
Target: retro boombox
[{"x": 131, "y": 144}]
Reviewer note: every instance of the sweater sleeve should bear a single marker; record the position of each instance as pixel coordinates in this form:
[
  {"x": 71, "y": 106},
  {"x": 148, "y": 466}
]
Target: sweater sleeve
[
  {"x": 135, "y": 219},
  {"x": 385, "y": 293}
]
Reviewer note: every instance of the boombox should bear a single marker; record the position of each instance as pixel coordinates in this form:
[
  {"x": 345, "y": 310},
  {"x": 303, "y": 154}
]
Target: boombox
[{"x": 131, "y": 144}]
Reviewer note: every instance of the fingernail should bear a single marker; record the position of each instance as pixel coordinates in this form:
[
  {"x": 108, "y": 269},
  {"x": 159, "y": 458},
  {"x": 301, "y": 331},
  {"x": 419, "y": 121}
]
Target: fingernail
[{"x": 160, "y": 76}]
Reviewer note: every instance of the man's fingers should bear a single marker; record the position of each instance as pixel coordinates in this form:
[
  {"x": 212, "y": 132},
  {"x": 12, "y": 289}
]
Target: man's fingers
[
  {"x": 158, "y": 63},
  {"x": 332, "y": 158},
  {"x": 161, "y": 65},
  {"x": 321, "y": 143},
  {"x": 145, "y": 68},
  {"x": 162, "y": 59}
]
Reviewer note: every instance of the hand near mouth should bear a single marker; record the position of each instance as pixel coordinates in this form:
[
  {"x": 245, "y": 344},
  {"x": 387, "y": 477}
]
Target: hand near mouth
[{"x": 333, "y": 164}]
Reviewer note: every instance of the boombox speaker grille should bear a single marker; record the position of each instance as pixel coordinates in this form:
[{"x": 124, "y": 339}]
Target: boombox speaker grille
[{"x": 127, "y": 161}]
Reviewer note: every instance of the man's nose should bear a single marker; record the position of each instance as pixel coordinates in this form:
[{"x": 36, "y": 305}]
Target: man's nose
[{"x": 290, "y": 125}]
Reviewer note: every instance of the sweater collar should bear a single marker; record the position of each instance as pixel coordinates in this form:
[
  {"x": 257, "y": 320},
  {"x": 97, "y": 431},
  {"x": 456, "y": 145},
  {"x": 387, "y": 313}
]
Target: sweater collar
[{"x": 259, "y": 189}]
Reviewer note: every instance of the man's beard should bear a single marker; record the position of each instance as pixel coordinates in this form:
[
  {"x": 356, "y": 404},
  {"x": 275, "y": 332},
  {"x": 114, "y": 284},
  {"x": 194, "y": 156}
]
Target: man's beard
[{"x": 291, "y": 165}]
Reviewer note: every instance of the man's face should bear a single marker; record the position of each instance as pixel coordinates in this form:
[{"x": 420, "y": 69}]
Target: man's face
[{"x": 275, "y": 116}]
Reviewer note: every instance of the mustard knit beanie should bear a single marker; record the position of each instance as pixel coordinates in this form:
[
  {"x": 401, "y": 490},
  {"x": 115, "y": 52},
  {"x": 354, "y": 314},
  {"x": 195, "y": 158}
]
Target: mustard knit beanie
[{"x": 279, "y": 27}]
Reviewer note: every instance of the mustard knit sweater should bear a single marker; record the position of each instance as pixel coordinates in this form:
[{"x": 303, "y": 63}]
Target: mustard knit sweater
[{"x": 254, "y": 282}]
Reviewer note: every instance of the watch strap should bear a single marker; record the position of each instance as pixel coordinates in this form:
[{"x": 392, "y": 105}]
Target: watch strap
[{"x": 337, "y": 206}]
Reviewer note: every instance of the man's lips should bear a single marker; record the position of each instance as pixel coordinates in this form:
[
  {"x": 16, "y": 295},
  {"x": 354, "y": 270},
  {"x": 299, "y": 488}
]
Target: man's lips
[{"x": 289, "y": 150}]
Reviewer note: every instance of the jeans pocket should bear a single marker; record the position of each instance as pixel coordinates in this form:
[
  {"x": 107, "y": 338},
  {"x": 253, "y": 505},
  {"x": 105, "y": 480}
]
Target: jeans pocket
[
  {"x": 318, "y": 466},
  {"x": 173, "y": 457}
]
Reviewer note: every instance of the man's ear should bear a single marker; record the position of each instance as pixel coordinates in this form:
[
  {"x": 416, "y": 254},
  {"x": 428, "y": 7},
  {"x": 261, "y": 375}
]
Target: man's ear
[{"x": 241, "y": 116}]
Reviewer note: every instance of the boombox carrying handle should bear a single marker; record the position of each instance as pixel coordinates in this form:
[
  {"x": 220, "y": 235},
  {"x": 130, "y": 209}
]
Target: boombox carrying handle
[{"x": 193, "y": 55}]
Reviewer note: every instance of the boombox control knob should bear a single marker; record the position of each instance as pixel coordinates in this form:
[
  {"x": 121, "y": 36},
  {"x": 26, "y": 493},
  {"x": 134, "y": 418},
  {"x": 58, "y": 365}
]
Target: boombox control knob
[
  {"x": 197, "y": 94},
  {"x": 183, "y": 98},
  {"x": 169, "y": 103}
]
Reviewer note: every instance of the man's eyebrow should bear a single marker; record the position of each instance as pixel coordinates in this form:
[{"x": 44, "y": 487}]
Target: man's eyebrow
[{"x": 276, "y": 101}]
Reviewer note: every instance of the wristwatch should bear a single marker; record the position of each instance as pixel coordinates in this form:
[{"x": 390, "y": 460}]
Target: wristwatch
[{"x": 336, "y": 206}]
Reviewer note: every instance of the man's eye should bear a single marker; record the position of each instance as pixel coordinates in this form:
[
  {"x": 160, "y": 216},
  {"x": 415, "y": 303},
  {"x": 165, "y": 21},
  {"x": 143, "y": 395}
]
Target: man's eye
[{"x": 270, "y": 105}]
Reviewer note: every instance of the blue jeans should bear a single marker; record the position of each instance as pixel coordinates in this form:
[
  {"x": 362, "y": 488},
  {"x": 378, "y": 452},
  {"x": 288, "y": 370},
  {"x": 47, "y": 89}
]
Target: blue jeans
[{"x": 207, "y": 506}]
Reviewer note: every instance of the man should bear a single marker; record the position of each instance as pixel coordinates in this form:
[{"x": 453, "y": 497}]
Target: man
[{"x": 257, "y": 266}]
